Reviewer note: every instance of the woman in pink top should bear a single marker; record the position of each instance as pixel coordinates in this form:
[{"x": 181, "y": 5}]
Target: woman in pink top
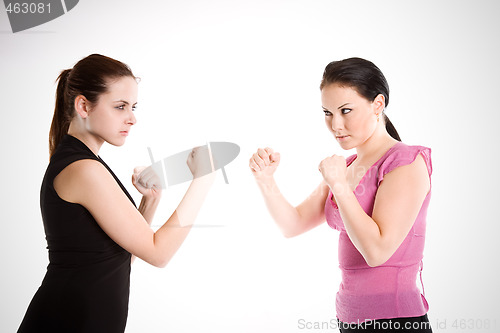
[{"x": 377, "y": 199}]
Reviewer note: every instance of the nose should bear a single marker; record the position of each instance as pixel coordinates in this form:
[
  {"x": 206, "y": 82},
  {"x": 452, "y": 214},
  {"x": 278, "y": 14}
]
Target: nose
[
  {"x": 337, "y": 123},
  {"x": 131, "y": 120}
]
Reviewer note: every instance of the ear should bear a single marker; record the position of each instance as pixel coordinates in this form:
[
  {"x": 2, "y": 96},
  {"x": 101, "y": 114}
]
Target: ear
[
  {"x": 379, "y": 103},
  {"x": 82, "y": 106}
]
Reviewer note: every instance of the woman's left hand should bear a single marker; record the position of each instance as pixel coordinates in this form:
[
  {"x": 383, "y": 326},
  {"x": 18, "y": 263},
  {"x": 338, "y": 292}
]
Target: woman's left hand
[
  {"x": 147, "y": 182},
  {"x": 333, "y": 169}
]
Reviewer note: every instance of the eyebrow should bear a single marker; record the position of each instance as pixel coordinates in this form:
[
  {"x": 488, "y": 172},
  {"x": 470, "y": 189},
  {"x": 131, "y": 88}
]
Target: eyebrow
[
  {"x": 342, "y": 105},
  {"x": 124, "y": 102},
  {"x": 337, "y": 108}
]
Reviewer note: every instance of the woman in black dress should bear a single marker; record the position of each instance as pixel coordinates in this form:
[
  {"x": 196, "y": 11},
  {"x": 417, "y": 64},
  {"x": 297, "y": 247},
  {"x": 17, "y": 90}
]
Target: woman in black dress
[{"x": 92, "y": 226}]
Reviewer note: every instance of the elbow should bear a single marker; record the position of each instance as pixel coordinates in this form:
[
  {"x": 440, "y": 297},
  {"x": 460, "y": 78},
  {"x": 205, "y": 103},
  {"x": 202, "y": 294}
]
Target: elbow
[
  {"x": 376, "y": 258},
  {"x": 160, "y": 263},
  {"x": 290, "y": 233},
  {"x": 297, "y": 229},
  {"x": 374, "y": 263},
  {"x": 156, "y": 262},
  {"x": 157, "y": 257},
  {"x": 293, "y": 229},
  {"x": 378, "y": 252}
]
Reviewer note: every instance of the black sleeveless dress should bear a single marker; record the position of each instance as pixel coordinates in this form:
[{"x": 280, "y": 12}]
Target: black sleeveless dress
[{"x": 86, "y": 286}]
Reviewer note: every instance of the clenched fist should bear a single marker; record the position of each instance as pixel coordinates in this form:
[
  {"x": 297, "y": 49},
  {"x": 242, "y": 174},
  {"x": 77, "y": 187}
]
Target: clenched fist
[
  {"x": 333, "y": 169},
  {"x": 146, "y": 181},
  {"x": 264, "y": 162}
]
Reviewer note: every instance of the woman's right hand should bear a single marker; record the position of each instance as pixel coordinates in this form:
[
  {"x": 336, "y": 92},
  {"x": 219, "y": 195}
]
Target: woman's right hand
[
  {"x": 199, "y": 161},
  {"x": 147, "y": 181},
  {"x": 264, "y": 162}
]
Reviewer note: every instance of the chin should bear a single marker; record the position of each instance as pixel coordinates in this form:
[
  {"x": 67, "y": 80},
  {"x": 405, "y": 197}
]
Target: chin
[
  {"x": 346, "y": 147},
  {"x": 116, "y": 142}
]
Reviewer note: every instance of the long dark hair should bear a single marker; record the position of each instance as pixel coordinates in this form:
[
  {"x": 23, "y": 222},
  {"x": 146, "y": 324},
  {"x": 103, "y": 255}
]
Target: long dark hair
[
  {"x": 89, "y": 77},
  {"x": 363, "y": 76}
]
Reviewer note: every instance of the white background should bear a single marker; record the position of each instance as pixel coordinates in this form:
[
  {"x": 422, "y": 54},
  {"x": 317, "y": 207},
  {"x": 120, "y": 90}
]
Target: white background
[{"x": 248, "y": 72}]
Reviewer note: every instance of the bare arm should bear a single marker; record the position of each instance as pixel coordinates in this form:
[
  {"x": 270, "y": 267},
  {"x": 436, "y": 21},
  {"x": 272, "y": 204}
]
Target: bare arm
[
  {"x": 99, "y": 193},
  {"x": 397, "y": 203},
  {"x": 291, "y": 220},
  {"x": 147, "y": 208},
  {"x": 151, "y": 195}
]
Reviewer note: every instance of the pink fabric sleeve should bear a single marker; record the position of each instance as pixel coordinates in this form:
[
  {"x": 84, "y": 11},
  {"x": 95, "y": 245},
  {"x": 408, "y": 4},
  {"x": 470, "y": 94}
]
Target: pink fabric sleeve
[
  {"x": 349, "y": 159},
  {"x": 404, "y": 156}
]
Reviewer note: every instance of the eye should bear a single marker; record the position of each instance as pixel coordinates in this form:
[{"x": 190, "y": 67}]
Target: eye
[
  {"x": 346, "y": 111},
  {"x": 134, "y": 107},
  {"x": 120, "y": 107},
  {"x": 327, "y": 113}
]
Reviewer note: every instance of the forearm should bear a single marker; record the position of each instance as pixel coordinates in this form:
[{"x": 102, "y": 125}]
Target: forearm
[
  {"x": 147, "y": 208},
  {"x": 169, "y": 237},
  {"x": 283, "y": 213},
  {"x": 360, "y": 227}
]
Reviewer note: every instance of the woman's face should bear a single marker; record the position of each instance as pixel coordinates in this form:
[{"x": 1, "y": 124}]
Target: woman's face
[
  {"x": 350, "y": 117},
  {"x": 111, "y": 118}
]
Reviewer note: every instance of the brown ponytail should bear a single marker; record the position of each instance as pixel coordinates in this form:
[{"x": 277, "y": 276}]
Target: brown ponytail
[
  {"x": 90, "y": 78},
  {"x": 61, "y": 119},
  {"x": 390, "y": 128}
]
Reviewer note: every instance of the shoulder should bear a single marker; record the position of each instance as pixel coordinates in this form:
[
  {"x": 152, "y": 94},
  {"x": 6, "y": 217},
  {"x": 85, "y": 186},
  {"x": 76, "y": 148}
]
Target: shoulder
[
  {"x": 406, "y": 153},
  {"x": 408, "y": 160},
  {"x": 81, "y": 178},
  {"x": 69, "y": 150},
  {"x": 86, "y": 169}
]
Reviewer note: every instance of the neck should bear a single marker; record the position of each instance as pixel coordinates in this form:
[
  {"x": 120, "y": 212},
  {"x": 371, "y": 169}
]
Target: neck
[
  {"x": 92, "y": 142},
  {"x": 379, "y": 142}
]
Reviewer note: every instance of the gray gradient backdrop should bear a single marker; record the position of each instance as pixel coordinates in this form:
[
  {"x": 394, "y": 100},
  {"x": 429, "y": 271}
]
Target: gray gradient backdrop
[{"x": 248, "y": 72}]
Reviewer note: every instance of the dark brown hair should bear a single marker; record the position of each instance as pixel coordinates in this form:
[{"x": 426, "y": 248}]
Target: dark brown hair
[
  {"x": 363, "y": 76},
  {"x": 90, "y": 78}
]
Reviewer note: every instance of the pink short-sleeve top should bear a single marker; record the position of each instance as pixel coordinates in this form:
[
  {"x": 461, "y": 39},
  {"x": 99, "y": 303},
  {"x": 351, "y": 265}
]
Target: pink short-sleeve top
[{"x": 389, "y": 290}]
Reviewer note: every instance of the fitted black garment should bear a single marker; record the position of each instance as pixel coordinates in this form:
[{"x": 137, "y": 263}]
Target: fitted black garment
[{"x": 86, "y": 286}]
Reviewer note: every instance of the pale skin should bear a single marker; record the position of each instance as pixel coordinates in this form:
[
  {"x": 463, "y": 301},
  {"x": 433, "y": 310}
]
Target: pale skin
[
  {"x": 399, "y": 196},
  {"x": 89, "y": 183}
]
